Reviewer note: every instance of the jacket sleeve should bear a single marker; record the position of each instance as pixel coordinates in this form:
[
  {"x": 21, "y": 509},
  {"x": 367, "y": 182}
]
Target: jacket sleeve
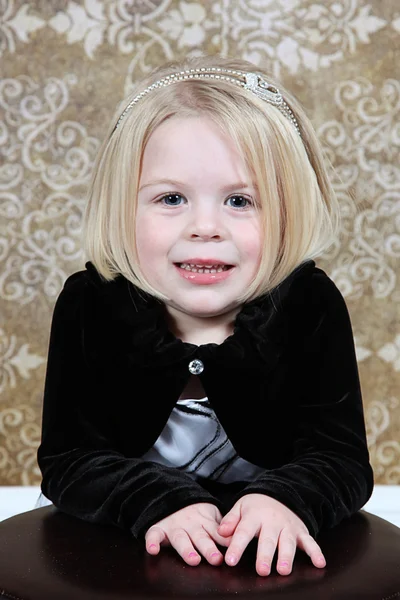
[
  {"x": 329, "y": 476},
  {"x": 82, "y": 472}
]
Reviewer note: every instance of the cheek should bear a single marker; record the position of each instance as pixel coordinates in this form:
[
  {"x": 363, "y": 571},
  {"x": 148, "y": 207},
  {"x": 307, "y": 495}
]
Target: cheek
[
  {"x": 152, "y": 240},
  {"x": 251, "y": 244},
  {"x": 145, "y": 229}
]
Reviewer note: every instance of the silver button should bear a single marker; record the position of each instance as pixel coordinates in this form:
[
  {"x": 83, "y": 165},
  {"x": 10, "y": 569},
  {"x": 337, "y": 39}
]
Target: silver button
[{"x": 196, "y": 367}]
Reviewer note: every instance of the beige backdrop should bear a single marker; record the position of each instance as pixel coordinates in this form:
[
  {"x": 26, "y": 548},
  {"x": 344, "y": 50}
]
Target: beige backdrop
[{"x": 64, "y": 67}]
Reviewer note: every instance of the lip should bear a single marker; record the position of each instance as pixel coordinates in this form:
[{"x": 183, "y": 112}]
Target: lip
[{"x": 203, "y": 261}]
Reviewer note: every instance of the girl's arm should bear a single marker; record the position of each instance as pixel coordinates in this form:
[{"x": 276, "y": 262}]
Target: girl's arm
[
  {"x": 83, "y": 473},
  {"x": 329, "y": 476}
]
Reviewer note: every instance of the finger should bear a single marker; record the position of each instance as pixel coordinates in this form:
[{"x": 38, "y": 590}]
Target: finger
[
  {"x": 206, "y": 546},
  {"x": 244, "y": 533},
  {"x": 287, "y": 545},
  {"x": 153, "y": 539},
  {"x": 309, "y": 545},
  {"x": 180, "y": 540},
  {"x": 267, "y": 543},
  {"x": 229, "y": 523},
  {"x": 212, "y": 530}
]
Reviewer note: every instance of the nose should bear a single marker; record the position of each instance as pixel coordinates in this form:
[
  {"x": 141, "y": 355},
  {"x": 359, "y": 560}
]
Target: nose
[{"x": 206, "y": 223}]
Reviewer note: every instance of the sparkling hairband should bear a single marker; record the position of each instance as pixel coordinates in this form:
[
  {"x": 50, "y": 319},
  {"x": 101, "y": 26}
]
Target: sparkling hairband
[{"x": 252, "y": 82}]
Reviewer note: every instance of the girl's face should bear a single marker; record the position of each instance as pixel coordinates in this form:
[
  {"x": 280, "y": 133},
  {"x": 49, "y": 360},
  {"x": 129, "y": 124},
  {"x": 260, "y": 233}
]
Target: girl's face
[{"x": 198, "y": 232}]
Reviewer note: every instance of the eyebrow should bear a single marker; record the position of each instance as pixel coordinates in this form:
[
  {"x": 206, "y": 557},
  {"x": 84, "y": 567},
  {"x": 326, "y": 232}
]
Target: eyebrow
[{"x": 225, "y": 189}]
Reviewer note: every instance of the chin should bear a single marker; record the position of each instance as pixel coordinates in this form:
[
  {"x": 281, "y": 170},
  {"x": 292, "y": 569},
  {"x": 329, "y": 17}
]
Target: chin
[{"x": 202, "y": 310}]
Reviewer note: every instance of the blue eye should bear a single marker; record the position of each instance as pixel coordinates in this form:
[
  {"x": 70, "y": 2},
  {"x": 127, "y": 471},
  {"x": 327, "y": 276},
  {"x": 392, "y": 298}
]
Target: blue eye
[
  {"x": 171, "y": 199},
  {"x": 237, "y": 201},
  {"x": 242, "y": 203}
]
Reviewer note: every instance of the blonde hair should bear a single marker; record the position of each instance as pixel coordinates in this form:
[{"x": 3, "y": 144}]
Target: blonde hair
[{"x": 299, "y": 209}]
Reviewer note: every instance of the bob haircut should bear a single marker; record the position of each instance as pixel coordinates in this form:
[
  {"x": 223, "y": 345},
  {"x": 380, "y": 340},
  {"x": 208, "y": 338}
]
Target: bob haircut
[{"x": 299, "y": 209}]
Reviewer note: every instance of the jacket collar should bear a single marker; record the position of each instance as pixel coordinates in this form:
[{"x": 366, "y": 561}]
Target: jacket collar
[{"x": 135, "y": 325}]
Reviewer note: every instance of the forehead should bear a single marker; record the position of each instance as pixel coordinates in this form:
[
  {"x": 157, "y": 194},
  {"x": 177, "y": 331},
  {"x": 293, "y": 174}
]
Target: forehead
[{"x": 192, "y": 146}]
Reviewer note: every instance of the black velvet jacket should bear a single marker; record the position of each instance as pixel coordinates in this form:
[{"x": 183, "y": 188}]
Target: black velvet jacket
[{"x": 285, "y": 387}]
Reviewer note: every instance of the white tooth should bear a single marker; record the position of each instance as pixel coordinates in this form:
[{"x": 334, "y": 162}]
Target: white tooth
[
  {"x": 213, "y": 271},
  {"x": 207, "y": 271},
  {"x": 200, "y": 270},
  {"x": 219, "y": 270},
  {"x": 203, "y": 266},
  {"x": 187, "y": 268}
]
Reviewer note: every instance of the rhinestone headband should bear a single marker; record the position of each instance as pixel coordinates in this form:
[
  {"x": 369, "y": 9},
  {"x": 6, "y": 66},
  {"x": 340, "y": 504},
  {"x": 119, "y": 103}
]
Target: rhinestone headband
[{"x": 253, "y": 82}]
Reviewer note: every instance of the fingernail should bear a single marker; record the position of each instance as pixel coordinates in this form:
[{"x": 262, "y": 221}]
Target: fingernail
[
  {"x": 320, "y": 559},
  {"x": 265, "y": 566},
  {"x": 232, "y": 559},
  {"x": 192, "y": 554},
  {"x": 284, "y": 564},
  {"x": 152, "y": 546},
  {"x": 214, "y": 554}
]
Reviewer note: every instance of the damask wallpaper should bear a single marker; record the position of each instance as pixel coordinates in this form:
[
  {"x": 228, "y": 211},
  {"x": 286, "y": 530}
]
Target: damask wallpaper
[{"x": 64, "y": 67}]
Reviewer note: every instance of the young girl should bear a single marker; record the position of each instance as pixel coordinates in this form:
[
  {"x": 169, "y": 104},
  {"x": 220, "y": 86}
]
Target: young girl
[{"x": 202, "y": 387}]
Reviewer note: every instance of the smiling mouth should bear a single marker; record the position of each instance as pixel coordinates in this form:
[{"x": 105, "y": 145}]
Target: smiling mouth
[{"x": 204, "y": 268}]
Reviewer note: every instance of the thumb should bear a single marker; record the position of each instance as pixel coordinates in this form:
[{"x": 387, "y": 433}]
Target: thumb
[{"x": 229, "y": 522}]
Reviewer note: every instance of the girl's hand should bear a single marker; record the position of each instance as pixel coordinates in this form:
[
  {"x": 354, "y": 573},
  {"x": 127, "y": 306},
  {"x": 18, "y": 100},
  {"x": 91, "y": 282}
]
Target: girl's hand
[
  {"x": 193, "y": 526},
  {"x": 258, "y": 515}
]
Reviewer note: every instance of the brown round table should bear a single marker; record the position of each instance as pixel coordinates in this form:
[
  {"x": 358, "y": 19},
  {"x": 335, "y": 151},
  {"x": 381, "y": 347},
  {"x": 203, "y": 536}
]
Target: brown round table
[{"x": 48, "y": 555}]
